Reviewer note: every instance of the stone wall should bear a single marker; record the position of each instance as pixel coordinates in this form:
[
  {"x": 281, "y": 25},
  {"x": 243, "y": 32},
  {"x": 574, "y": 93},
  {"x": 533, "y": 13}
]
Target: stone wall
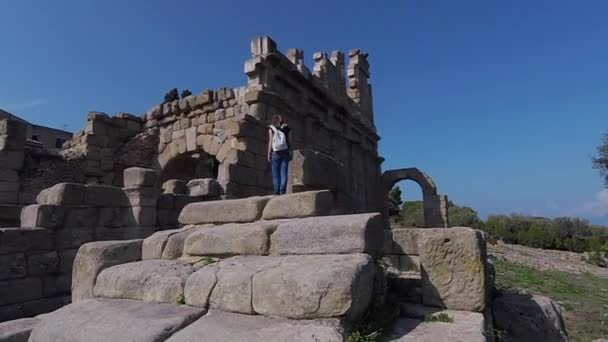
[{"x": 36, "y": 258}]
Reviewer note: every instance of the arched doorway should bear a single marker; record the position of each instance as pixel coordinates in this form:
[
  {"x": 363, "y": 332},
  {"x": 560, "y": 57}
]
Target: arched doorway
[
  {"x": 190, "y": 165},
  {"x": 435, "y": 205}
]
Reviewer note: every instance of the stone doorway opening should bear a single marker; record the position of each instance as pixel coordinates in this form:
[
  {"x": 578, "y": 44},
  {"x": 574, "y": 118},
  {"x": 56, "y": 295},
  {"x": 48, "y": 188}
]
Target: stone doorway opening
[{"x": 188, "y": 166}]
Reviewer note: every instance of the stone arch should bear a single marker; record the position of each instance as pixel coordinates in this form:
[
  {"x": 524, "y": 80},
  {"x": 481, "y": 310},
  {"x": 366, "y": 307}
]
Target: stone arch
[
  {"x": 197, "y": 154},
  {"x": 435, "y": 205}
]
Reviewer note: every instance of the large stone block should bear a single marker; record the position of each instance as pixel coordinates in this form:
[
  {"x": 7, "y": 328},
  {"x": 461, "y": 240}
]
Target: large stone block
[
  {"x": 313, "y": 170},
  {"x": 94, "y": 257},
  {"x": 20, "y": 290},
  {"x": 224, "y": 326},
  {"x": 199, "y": 286},
  {"x": 303, "y": 204},
  {"x": 43, "y": 263},
  {"x": 404, "y": 240},
  {"x": 160, "y": 281},
  {"x": 204, "y": 187},
  {"x": 344, "y": 234},
  {"x": 453, "y": 267},
  {"x": 226, "y": 211},
  {"x": 175, "y": 245},
  {"x": 68, "y": 238},
  {"x": 9, "y": 175},
  {"x": 466, "y": 327},
  {"x": 105, "y": 196},
  {"x": 154, "y": 245},
  {"x": 102, "y": 320},
  {"x": 139, "y": 177},
  {"x": 12, "y": 160},
  {"x": 528, "y": 318},
  {"x": 320, "y": 286},
  {"x": 231, "y": 239},
  {"x": 18, "y": 330},
  {"x": 9, "y": 186},
  {"x": 13, "y": 266},
  {"x": 80, "y": 217},
  {"x": 62, "y": 194},
  {"x": 175, "y": 186},
  {"x": 142, "y": 197},
  {"x": 42, "y": 215},
  {"x": 14, "y": 240}
]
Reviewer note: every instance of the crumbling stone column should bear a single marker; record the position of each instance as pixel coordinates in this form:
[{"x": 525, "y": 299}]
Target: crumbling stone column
[
  {"x": 12, "y": 142},
  {"x": 436, "y": 211}
]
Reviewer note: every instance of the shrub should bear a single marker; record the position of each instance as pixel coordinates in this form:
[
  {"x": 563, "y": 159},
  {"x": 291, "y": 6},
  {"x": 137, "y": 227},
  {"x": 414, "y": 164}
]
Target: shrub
[
  {"x": 172, "y": 95},
  {"x": 180, "y": 300},
  {"x": 186, "y": 93},
  {"x": 440, "y": 317}
]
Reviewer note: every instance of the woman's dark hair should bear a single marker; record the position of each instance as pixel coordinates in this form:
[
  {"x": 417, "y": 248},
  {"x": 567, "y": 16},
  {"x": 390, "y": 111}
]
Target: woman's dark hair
[{"x": 277, "y": 120}]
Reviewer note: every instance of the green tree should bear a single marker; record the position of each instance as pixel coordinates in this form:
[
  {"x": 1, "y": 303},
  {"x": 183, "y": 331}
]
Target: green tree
[
  {"x": 568, "y": 244},
  {"x": 412, "y": 214},
  {"x": 536, "y": 236},
  {"x": 463, "y": 217},
  {"x": 595, "y": 243},
  {"x": 600, "y": 161},
  {"x": 186, "y": 93},
  {"x": 394, "y": 197},
  {"x": 172, "y": 95}
]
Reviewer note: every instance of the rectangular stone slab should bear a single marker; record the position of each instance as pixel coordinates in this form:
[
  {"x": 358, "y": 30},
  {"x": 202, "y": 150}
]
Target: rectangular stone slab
[
  {"x": 219, "y": 326},
  {"x": 230, "y": 239},
  {"x": 301, "y": 204},
  {"x": 343, "y": 234},
  {"x": 18, "y": 330},
  {"x": 103, "y": 320},
  {"x": 226, "y": 211},
  {"x": 453, "y": 268}
]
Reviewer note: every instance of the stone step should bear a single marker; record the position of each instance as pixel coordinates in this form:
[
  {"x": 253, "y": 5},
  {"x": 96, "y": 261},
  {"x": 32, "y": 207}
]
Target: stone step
[
  {"x": 464, "y": 326},
  {"x": 218, "y": 326},
  {"x": 297, "y": 205},
  {"x": 300, "y": 287},
  {"x": 101, "y": 320},
  {"x": 18, "y": 330},
  {"x": 340, "y": 234}
]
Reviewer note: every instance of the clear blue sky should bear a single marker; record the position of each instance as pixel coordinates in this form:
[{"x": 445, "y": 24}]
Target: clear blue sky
[{"x": 502, "y": 102}]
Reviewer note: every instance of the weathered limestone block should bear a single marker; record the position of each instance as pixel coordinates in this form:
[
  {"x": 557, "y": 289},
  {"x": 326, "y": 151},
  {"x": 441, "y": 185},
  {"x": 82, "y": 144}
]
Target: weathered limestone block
[
  {"x": 102, "y": 320},
  {"x": 43, "y": 263},
  {"x": 317, "y": 286},
  {"x": 313, "y": 170},
  {"x": 139, "y": 177},
  {"x": 94, "y": 257},
  {"x": 466, "y": 327},
  {"x": 13, "y": 266},
  {"x": 233, "y": 290},
  {"x": 16, "y": 240},
  {"x": 81, "y": 217},
  {"x": 402, "y": 241},
  {"x": 226, "y": 211},
  {"x": 453, "y": 267},
  {"x": 205, "y": 187},
  {"x": 154, "y": 245},
  {"x": 225, "y": 326},
  {"x": 528, "y": 318},
  {"x": 142, "y": 197},
  {"x": 105, "y": 196},
  {"x": 62, "y": 194},
  {"x": 199, "y": 286},
  {"x": 231, "y": 239},
  {"x": 21, "y": 290},
  {"x": 175, "y": 186},
  {"x": 160, "y": 281},
  {"x": 175, "y": 245},
  {"x": 18, "y": 330},
  {"x": 42, "y": 215},
  {"x": 343, "y": 234},
  {"x": 140, "y": 216},
  {"x": 303, "y": 204}
]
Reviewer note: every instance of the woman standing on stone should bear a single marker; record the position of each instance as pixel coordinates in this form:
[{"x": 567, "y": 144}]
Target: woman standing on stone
[{"x": 279, "y": 153}]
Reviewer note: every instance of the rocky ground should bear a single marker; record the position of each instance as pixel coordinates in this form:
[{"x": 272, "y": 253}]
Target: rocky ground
[{"x": 545, "y": 260}]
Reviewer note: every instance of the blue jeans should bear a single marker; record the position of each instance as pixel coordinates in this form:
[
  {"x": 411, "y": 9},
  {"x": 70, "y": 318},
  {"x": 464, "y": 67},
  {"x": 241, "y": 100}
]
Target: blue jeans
[{"x": 280, "y": 163}]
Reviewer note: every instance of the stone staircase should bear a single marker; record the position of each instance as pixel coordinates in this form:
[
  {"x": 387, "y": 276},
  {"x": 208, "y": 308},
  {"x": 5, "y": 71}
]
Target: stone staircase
[{"x": 254, "y": 269}]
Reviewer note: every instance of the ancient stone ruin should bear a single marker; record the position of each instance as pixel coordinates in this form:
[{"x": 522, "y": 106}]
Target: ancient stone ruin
[{"x": 160, "y": 227}]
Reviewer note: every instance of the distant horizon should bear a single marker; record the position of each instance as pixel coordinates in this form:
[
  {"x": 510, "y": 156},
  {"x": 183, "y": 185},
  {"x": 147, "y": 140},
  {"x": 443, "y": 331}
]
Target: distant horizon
[{"x": 502, "y": 104}]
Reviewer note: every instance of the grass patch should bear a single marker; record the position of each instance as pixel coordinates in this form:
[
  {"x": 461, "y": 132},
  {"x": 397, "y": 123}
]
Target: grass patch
[
  {"x": 357, "y": 336},
  {"x": 440, "y": 317},
  {"x": 180, "y": 300},
  {"x": 583, "y": 297}
]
